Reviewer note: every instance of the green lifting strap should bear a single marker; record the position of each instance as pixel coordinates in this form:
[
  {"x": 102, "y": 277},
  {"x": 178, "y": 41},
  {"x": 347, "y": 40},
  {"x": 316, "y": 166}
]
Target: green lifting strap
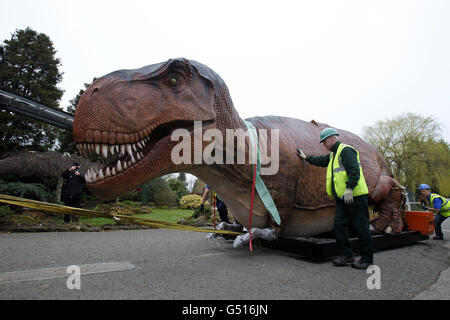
[{"x": 261, "y": 188}]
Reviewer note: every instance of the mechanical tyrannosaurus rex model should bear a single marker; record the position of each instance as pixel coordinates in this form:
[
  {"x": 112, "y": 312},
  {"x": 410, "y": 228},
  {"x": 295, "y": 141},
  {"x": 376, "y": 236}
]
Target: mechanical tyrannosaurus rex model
[{"x": 128, "y": 118}]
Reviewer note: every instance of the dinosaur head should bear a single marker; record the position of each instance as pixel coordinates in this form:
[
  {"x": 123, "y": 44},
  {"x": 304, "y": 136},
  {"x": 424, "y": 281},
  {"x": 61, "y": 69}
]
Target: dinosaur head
[{"x": 127, "y": 118}]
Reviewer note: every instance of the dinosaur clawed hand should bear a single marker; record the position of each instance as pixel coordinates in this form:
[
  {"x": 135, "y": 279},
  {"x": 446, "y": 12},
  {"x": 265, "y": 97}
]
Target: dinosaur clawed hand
[
  {"x": 268, "y": 234},
  {"x": 265, "y": 234}
]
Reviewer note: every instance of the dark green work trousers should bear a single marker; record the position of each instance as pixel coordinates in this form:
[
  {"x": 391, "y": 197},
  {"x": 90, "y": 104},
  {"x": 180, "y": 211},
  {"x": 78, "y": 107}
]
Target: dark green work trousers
[{"x": 356, "y": 214}]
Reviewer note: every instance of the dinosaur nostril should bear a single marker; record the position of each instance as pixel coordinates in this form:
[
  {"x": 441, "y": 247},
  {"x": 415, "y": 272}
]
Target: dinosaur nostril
[{"x": 95, "y": 90}]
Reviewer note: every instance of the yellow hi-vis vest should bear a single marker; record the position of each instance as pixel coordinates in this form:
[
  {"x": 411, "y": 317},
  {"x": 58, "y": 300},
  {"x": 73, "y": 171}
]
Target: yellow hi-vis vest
[
  {"x": 337, "y": 170},
  {"x": 445, "y": 208}
]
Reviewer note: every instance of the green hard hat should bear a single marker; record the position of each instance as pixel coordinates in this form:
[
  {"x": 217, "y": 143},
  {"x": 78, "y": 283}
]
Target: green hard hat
[{"x": 328, "y": 132}]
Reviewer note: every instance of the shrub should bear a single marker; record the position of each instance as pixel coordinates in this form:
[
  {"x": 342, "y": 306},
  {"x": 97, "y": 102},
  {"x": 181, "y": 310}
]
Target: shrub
[
  {"x": 131, "y": 203},
  {"x": 133, "y": 195},
  {"x": 165, "y": 197},
  {"x": 192, "y": 201},
  {"x": 4, "y": 211},
  {"x": 207, "y": 213},
  {"x": 34, "y": 191},
  {"x": 120, "y": 210}
]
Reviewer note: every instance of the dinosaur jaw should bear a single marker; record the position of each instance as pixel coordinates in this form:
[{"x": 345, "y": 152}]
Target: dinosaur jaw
[{"x": 126, "y": 166}]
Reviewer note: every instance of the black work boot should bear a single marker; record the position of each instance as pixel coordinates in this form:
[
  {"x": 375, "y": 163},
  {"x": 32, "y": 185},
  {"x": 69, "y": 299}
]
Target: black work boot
[
  {"x": 361, "y": 265},
  {"x": 341, "y": 261}
]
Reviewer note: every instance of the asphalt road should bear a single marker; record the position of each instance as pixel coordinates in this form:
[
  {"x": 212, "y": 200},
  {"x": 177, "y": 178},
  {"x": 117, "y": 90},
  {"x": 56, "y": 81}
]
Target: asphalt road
[{"x": 170, "y": 264}]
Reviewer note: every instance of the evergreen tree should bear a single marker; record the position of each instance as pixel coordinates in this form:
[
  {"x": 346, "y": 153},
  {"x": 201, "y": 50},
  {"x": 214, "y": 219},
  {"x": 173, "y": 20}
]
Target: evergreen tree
[
  {"x": 179, "y": 187},
  {"x": 160, "y": 192},
  {"x": 31, "y": 70},
  {"x": 182, "y": 177}
]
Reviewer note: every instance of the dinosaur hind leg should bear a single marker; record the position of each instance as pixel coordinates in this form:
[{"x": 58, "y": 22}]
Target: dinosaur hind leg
[{"x": 388, "y": 198}]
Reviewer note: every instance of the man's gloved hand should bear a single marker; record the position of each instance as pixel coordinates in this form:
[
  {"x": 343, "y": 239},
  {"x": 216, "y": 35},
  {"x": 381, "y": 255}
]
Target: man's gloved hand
[
  {"x": 301, "y": 154},
  {"x": 424, "y": 205},
  {"x": 202, "y": 208},
  {"x": 348, "y": 196}
]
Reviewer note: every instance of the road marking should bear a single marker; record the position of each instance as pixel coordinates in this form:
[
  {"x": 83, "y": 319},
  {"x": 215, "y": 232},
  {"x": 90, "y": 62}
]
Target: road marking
[
  {"x": 61, "y": 272},
  {"x": 211, "y": 254}
]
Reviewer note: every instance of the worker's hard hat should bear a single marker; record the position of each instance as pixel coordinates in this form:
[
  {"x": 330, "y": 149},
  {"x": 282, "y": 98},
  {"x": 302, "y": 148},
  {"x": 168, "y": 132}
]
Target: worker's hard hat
[
  {"x": 328, "y": 132},
  {"x": 424, "y": 186}
]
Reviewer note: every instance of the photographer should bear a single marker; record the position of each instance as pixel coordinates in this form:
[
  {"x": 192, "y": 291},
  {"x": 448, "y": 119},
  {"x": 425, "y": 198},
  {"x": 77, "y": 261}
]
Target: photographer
[{"x": 73, "y": 188}]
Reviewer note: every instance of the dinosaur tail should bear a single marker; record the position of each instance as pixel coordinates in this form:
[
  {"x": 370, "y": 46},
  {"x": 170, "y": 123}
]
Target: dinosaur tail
[{"x": 391, "y": 198}]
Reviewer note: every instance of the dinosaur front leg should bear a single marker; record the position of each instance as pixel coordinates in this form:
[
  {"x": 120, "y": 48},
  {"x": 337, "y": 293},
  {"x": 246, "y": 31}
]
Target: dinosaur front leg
[
  {"x": 268, "y": 234},
  {"x": 226, "y": 226}
]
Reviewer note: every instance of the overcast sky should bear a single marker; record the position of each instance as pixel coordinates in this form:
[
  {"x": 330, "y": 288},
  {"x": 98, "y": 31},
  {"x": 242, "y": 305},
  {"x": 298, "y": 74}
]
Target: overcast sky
[{"x": 345, "y": 63}]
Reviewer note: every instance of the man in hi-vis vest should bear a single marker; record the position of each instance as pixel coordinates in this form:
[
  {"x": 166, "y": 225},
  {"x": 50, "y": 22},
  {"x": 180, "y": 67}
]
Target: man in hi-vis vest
[
  {"x": 346, "y": 184},
  {"x": 439, "y": 205}
]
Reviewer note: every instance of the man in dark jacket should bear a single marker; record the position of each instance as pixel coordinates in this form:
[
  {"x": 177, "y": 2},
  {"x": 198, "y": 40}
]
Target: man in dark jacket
[
  {"x": 346, "y": 184},
  {"x": 74, "y": 183}
]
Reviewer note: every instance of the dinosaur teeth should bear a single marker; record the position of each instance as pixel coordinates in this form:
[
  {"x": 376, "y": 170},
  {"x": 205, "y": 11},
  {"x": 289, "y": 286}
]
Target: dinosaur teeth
[
  {"x": 104, "y": 151},
  {"x": 90, "y": 175},
  {"x": 100, "y": 174},
  {"x": 129, "y": 154}
]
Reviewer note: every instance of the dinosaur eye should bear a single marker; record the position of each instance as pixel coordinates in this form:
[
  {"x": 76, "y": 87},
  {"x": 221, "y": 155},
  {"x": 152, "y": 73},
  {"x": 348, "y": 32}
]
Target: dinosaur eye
[{"x": 173, "y": 81}]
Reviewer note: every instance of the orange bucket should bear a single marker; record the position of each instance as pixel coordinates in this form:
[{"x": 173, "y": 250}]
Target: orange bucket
[{"x": 422, "y": 221}]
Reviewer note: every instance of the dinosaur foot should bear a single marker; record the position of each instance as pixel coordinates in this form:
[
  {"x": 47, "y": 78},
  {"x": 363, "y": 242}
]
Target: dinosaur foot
[
  {"x": 387, "y": 230},
  {"x": 225, "y": 226},
  {"x": 265, "y": 234}
]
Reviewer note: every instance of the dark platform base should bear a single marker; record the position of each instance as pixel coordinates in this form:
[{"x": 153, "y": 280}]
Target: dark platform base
[{"x": 322, "y": 248}]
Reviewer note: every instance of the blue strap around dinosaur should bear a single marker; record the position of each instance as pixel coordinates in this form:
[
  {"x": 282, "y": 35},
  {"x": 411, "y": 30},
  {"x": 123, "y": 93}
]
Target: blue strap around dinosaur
[{"x": 261, "y": 188}]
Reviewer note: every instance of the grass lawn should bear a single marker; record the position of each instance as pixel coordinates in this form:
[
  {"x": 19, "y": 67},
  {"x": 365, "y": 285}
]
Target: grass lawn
[{"x": 169, "y": 215}]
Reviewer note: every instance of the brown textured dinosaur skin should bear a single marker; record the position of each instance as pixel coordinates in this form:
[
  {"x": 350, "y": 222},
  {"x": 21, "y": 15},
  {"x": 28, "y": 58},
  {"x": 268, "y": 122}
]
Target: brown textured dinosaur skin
[{"x": 127, "y": 106}]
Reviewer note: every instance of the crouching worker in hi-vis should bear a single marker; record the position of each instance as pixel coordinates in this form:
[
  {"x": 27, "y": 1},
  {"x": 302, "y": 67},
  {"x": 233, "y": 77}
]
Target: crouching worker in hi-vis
[
  {"x": 346, "y": 184},
  {"x": 221, "y": 207},
  {"x": 439, "y": 205}
]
